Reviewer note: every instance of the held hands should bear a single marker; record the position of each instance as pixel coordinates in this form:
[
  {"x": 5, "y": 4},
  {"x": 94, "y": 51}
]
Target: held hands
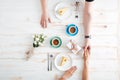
[
  {"x": 87, "y": 45},
  {"x": 44, "y": 20},
  {"x": 87, "y": 50},
  {"x": 86, "y": 56}
]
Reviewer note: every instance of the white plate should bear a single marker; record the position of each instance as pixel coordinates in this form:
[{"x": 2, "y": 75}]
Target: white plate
[
  {"x": 57, "y": 61},
  {"x": 63, "y": 5}
]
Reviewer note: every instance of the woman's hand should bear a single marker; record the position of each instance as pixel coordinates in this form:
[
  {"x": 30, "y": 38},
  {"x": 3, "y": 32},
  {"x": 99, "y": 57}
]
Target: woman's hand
[
  {"x": 87, "y": 51},
  {"x": 68, "y": 73},
  {"x": 44, "y": 20}
]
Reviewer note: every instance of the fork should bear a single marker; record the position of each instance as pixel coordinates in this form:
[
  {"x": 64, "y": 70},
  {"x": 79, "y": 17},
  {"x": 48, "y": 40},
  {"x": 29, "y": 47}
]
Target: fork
[
  {"x": 51, "y": 62},
  {"x": 48, "y": 62}
]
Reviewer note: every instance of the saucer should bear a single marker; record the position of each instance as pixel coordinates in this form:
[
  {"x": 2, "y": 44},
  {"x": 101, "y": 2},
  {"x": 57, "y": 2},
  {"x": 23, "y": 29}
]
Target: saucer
[
  {"x": 56, "y": 42},
  {"x": 68, "y": 30}
]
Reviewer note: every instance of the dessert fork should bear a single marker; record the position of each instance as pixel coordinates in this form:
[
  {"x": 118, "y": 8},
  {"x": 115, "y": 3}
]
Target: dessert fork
[{"x": 51, "y": 62}]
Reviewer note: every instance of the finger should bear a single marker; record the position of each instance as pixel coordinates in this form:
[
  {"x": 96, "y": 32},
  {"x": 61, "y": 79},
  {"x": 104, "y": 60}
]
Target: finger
[
  {"x": 89, "y": 50},
  {"x": 46, "y": 24},
  {"x": 49, "y": 20},
  {"x": 69, "y": 69},
  {"x": 88, "y": 47},
  {"x": 85, "y": 48},
  {"x": 84, "y": 54},
  {"x": 73, "y": 69},
  {"x": 42, "y": 24},
  {"x": 85, "y": 51}
]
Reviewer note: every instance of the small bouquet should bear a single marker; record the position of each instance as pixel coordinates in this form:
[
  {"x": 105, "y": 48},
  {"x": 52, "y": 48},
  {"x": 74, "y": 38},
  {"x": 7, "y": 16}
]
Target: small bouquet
[{"x": 38, "y": 40}]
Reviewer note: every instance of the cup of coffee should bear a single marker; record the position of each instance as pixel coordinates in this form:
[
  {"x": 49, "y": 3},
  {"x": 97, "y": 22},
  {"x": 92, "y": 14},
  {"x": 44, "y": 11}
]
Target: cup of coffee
[
  {"x": 72, "y": 30},
  {"x": 56, "y": 42}
]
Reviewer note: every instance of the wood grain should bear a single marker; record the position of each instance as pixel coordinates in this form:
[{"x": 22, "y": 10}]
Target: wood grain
[{"x": 19, "y": 21}]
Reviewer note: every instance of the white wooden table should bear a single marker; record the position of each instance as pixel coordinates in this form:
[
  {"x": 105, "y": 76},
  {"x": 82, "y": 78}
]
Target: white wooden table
[{"x": 19, "y": 20}]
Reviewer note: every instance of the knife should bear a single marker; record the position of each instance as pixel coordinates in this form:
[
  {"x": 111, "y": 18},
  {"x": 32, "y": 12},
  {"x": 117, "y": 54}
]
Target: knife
[{"x": 48, "y": 68}]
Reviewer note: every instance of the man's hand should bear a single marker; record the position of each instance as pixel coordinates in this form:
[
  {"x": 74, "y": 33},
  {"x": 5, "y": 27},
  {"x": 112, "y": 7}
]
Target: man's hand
[
  {"x": 87, "y": 45},
  {"x": 86, "y": 62},
  {"x": 44, "y": 20},
  {"x": 86, "y": 55}
]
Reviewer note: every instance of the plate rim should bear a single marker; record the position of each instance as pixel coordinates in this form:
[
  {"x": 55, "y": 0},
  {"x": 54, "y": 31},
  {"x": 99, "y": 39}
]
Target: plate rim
[{"x": 59, "y": 55}]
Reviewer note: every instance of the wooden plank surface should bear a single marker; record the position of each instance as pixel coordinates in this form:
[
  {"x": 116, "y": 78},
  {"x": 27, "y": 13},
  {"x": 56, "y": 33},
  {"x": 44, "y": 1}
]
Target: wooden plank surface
[{"x": 19, "y": 21}]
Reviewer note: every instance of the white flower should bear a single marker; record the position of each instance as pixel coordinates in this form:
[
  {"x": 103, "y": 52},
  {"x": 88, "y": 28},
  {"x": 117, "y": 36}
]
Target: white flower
[
  {"x": 35, "y": 35},
  {"x": 40, "y": 40},
  {"x": 42, "y": 36},
  {"x": 35, "y": 42},
  {"x": 39, "y": 43},
  {"x": 37, "y": 39}
]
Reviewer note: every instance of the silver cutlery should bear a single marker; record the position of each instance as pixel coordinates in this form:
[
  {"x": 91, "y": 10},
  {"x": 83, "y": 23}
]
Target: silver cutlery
[
  {"x": 48, "y": 68},
  {"x": 51, "y": 62}
]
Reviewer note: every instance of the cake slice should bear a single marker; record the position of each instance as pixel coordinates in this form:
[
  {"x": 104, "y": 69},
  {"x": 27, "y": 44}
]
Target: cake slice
[
  {"x": 63, "y": 61},
  {"x": 62, "y": 11}
]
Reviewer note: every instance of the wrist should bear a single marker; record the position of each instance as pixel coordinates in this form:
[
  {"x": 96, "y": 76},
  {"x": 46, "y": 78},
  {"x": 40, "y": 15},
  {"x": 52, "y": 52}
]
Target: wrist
[
  {"x": 87, "y": 41},
  {"x": 86, "y": 63},
  {"x": 44, "y": 12}
]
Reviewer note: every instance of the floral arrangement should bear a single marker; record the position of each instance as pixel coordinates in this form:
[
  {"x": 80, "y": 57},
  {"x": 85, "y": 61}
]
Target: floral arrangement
[{"x": 38, "y": 40}]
